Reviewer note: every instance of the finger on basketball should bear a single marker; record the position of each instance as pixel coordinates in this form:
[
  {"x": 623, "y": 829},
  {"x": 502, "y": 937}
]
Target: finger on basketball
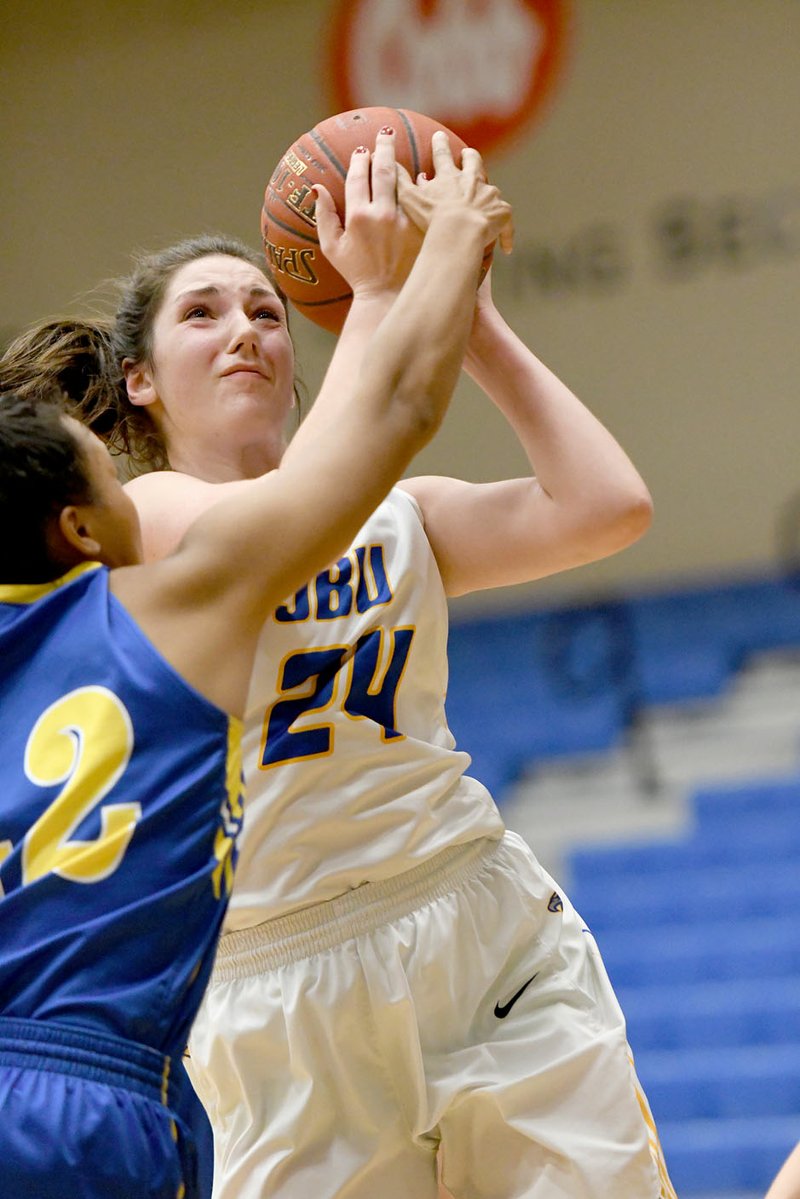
[
  {"x": 404, "y": 180},
  {"x": 506, "y": 235},
  {"x": 471, "y": 161},
  {"x": 329, "y": 227},
  {"x": 416, "y": 208},
  {"x": 356, "y": 184},
  {"x": 441, "y": 152},
  {"x": 384, "y": 168}
]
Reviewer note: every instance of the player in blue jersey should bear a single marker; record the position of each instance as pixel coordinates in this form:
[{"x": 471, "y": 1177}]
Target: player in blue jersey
[{"x": 121, "y": 689}]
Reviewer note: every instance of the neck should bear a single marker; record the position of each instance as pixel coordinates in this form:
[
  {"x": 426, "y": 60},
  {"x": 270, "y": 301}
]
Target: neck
[{"x": 224, "y": 464}]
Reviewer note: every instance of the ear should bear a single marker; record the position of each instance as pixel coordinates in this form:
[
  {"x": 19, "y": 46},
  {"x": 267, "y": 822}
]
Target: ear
[
  {"x": 139, "y": 382},
  {"x": 74, "y": 528}
]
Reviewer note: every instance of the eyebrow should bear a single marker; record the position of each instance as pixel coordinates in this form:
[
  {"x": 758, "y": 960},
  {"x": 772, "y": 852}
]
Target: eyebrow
[{"x": 211, "y": 289}]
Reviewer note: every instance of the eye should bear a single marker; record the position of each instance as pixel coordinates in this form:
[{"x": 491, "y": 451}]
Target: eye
[
  {"x": 196, "y": 312},
  {"x": 268, "y": 314}
]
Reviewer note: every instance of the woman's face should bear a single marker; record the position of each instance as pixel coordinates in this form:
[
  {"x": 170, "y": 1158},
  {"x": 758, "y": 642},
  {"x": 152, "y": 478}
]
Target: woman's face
[{"x": 221, "y": 374}]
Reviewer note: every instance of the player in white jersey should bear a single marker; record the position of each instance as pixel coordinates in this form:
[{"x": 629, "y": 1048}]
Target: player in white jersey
[
  {"x": 357, "y": 738},
  {"x": 400, "y": 978}
]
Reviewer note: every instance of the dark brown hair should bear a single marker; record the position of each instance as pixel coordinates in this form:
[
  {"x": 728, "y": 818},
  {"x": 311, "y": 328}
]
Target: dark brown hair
[
  {"x": 78, "y": 359},
  {"x": 42, "y": 469}
]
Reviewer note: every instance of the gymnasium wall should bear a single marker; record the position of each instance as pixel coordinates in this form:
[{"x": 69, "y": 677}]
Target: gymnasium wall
[{"x": 657, "y": 199}]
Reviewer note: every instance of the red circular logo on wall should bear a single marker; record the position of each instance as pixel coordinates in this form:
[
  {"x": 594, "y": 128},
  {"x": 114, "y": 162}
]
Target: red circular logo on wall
[{"x": 484, "y": 68}]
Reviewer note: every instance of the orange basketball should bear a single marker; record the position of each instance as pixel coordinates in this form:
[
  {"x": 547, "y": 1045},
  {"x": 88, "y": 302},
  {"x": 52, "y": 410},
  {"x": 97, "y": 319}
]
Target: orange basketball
[{"x": 322, "y": 156}]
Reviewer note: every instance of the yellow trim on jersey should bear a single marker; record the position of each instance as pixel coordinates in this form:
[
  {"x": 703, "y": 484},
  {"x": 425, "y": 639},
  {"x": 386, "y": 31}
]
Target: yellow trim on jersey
[
  {"x": 6, "y": 848},
  {"x": 666, "y": 1190},
  {"x": 233, "y": 767},
  {"x": 231, "y": 813},
  {"x": 29, "y": 593},
  {"x": 165, "y": 1073}
]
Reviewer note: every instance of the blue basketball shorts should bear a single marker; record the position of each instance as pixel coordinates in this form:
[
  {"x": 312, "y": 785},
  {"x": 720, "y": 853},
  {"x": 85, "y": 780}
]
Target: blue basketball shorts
[{"x": 89, "y": 1114}]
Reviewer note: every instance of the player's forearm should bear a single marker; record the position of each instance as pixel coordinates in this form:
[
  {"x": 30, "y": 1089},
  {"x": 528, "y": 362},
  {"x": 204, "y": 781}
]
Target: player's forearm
[
  {"x": 576, "y": 460},
  {"x": 420, "y": 345},
  {"x": 365, "y": 314},
  {"x": 410, "y": 365}
]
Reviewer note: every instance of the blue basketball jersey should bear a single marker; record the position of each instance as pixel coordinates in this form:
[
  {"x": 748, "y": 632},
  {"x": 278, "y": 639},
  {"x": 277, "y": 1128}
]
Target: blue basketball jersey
[{"x": 120, "y": 808}]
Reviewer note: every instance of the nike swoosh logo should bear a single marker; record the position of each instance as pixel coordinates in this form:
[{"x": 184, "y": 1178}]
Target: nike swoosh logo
[{"x": 502, "y": 1010}]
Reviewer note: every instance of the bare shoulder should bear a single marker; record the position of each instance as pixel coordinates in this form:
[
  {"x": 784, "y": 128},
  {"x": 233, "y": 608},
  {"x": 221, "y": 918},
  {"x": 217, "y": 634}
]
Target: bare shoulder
[
  {"x": 158, "y": 485},
  {"x": 429, "y": 490},
  {"x": 168, "y": 502}
]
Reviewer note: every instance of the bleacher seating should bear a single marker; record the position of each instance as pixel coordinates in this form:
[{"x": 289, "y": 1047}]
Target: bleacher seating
[
  {"x": 557, "y": 681},
  {"x": 701, "y": 938}
]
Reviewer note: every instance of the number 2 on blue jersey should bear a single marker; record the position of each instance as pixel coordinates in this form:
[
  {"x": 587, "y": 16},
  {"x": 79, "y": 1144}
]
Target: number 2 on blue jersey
[{"x": 82, "y": 743}]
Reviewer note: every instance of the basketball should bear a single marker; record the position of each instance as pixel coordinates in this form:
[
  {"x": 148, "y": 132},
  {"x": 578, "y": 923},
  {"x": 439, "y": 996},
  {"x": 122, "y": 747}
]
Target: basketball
[{"x": 322, "y": 155}]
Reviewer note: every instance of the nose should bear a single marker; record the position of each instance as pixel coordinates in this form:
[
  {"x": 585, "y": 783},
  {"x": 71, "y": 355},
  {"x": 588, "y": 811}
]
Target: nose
[{"x": 242, "y": 334}]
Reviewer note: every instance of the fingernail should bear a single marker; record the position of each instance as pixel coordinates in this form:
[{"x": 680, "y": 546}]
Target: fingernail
[
  {"x": 387, "y": 129},
  {"x": 360, "y": 150}
]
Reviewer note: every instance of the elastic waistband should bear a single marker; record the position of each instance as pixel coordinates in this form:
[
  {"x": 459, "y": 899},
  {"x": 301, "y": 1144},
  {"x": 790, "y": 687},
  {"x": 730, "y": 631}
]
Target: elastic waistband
[
  {"x": 322, "y": 926},
  {"x": 100, "y": 1057}
]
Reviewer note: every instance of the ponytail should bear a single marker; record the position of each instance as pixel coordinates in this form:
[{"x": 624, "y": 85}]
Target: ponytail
[{"x": 78, "y": 358}]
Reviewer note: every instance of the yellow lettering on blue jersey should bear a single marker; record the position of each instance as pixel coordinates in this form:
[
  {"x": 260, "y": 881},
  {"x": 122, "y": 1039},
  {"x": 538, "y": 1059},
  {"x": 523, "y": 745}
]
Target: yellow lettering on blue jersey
[
  {"x": 222, "y": 874},
  {"x": 83, "y": 740},
  {"x": 5, "y": 849},
  {"x": 231, "y": 815}
]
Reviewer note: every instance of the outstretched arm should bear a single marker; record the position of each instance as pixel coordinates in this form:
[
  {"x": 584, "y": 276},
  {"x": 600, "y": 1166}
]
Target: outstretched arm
[
  {"x": 375, "y": 251},
  {"x": 583, "y": 501},
  {"x": 204, "y": 606}
]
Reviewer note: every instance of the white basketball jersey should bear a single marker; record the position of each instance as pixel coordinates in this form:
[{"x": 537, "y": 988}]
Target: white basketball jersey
[{"x": 352, "y": 772}]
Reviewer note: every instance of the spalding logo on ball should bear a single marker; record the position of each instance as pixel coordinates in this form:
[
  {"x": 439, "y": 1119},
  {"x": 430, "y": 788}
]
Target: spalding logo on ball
[{"x": 322, "y": 155}]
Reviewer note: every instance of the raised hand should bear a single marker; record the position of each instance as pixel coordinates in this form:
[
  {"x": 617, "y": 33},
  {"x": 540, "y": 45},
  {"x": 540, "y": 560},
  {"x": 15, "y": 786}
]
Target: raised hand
[
  {"x": 457, "y": 188},
  {"x": 375, "y": 247}
]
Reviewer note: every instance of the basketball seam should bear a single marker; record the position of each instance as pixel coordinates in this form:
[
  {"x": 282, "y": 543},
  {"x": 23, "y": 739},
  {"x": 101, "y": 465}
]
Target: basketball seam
[
  {"x": 270, "y": 216},
  {"x": 321, "y": 303},
  {"x": 323, "y": 146},
  {"x": 412, "y": 140}
]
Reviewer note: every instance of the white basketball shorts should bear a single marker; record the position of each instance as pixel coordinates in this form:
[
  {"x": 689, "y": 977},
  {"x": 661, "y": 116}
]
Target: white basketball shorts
[{"x": 461, "y": 1007}]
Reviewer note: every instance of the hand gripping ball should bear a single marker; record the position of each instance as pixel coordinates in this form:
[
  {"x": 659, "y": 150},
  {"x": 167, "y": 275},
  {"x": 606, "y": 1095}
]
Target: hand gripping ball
[{"x": 322, "y": 155}]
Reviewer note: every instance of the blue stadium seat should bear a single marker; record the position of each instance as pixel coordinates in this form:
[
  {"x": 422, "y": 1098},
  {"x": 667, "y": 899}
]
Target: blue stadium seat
[
  {"x": 702, "y": 952},
  {"x": 707, "y": 1084},
  {"x": 693, "y": 893},
  {"x": 720, "y": 1156},
  {"x": 570, "y": 679},
  {"x": 713, "y": 1015}
]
